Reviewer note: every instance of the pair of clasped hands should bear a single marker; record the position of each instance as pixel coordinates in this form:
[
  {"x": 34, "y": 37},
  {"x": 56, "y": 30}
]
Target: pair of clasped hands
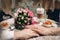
[{"x": 33, "y": 31}]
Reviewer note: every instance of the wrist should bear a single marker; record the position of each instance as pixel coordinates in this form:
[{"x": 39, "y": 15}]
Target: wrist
[{"x": 55, "y": 30}]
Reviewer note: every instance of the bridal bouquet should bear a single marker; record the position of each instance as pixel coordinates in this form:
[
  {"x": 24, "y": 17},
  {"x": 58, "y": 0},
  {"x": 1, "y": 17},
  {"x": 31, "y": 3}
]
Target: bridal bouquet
[{"x": 23, "y": 18}]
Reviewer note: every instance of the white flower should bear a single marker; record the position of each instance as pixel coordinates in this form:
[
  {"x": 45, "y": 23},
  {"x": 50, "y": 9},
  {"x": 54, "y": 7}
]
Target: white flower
[
  {"x": 19, "y": 10},
  {"x": 15, "y": 15}
]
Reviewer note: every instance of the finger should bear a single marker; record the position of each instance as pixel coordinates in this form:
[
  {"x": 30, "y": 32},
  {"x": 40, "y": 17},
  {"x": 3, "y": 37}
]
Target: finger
[
  {"x": 40, "y": 32},
  {"x": 41, "y": 28},
  {"x": 37, "y": 30}
]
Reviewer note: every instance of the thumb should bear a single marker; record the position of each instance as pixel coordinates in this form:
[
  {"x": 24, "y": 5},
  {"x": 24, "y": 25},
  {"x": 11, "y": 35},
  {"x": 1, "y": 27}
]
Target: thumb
[{"x": 40, "y": 32}]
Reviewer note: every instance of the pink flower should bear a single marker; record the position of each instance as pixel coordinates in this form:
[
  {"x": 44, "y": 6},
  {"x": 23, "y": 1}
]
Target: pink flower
[
  {"x": 30, "y": 13},
  {"x": 33, "y": 22}
]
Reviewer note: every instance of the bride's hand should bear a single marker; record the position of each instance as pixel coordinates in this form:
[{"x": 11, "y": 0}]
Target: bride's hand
[{"x": 24, "y": 34}]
